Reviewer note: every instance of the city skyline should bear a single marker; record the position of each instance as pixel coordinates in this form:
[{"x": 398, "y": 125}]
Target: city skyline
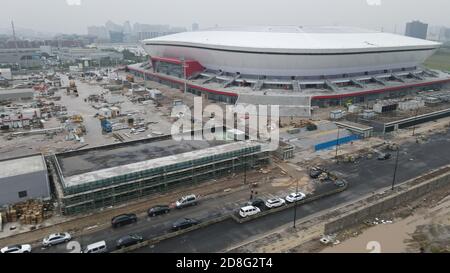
[{"x": 389, "y": 16}]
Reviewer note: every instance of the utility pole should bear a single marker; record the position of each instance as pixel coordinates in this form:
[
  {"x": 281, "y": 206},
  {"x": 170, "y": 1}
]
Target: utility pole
[
  {"x": 337, "y": 146},
  {"x": 295, "y": 205},
  {"x": 395, "y": 168}
]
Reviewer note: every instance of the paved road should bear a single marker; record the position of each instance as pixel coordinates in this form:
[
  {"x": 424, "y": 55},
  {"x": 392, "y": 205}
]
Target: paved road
[
  {"x": 156, "y": 226},
  {"x": 364, "y": 177}
]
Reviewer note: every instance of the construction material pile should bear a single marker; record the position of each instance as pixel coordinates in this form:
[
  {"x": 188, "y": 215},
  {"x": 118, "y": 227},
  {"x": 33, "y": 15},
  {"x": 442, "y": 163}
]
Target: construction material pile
[{"x": 30, "y": 212}]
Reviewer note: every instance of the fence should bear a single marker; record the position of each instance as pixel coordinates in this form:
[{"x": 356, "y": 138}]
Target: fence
[{"x": 332, "y": 143}]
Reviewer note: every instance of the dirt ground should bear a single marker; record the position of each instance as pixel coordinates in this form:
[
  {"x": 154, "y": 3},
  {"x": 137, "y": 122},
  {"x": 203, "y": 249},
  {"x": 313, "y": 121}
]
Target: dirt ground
[{"x": 427, "y": 229}]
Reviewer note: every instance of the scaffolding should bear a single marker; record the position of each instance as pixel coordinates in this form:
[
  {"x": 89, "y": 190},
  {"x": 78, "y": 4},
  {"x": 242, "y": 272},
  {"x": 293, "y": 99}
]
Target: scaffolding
[{"x": 130, "y": 186}]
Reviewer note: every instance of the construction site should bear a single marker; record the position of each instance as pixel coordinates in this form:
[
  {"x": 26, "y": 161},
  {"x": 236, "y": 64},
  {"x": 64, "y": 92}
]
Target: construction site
[
  {"x": 117, "y": 173},
  {"x": 82, "y": 146},
  {"x": 105, "y": 137}
]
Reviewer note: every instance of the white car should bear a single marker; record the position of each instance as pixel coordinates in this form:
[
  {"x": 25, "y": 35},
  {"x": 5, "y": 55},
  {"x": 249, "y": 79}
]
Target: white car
[
  {"x": 16, "y": 249},
  {"x": 248, "y": 211},
  {"x": 56, "y": 238},
  {"x": 275, "y": 203},
  {"x": 295, "y": 196}
]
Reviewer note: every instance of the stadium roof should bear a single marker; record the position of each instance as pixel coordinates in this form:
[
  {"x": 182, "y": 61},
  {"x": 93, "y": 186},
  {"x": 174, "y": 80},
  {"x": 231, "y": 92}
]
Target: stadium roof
[{"x": 294, "y": 39}]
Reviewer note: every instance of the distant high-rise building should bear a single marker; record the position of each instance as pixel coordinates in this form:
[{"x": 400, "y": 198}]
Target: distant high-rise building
[
  {"x": 116, "y": 36},
  {"x": 444, "y": 34},
  {"x": 195, "y": 27},
  {"x": 127, "y": 28},
  {"x": 416, "y": 29},
  {"x": 98, "y": 31},
  {"x": 111, "y": 26}
]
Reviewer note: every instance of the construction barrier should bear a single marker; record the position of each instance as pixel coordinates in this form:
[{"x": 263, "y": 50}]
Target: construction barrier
[
  {"x": 225, "y": 217},
  {"x": 171, "y": 235},
  {"x": 332, "y": 143}
]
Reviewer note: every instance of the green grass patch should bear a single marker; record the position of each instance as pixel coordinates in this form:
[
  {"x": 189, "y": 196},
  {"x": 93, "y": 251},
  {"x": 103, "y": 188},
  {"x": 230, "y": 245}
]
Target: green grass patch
[{"x": 439, "y": 60}]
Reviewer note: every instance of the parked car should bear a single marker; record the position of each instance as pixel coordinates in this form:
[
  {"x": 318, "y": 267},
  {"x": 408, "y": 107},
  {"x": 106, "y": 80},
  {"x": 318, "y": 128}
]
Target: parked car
[
  {"x": 56, "y": 238},
  {"x": 189, "y": 200},
  {"x": 295, "y": 196},
  {"x": 16, "y": 249},
  {"x": 384, "y": 156},
  {"x": 184, "y": 223},
  {"x": 339, "y": 183},
  {"x": 123, "y": 219},
  {"x": 158, "y": 210},
  {"x": 315, "y": 172},
  {"x": 258, "y": 202},
  {"x": 275, "y": 202},
  {"x": 98, "y": 247},
  {"x": 248, "y": 211},
  {"x": 129, "y": 240}
]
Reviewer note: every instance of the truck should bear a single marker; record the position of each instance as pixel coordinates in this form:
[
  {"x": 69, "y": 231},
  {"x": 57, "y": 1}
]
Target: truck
[
  {"x": 106, "y": 124},
  {"x": 72, "y": 88},
  {"x": 130, "y": 78}
]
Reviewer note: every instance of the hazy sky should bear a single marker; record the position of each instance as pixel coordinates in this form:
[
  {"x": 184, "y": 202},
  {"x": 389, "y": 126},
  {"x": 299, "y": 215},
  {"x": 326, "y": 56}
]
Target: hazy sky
[{"x": 59, "y": 16}]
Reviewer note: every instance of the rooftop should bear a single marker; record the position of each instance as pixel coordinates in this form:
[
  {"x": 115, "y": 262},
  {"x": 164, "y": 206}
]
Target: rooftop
[
  {"x": 99, "y": 174},
  {"x": 110, "y": 156},
  {"x": 294, "y": 38},
  {"x": 20, "y": 166}
]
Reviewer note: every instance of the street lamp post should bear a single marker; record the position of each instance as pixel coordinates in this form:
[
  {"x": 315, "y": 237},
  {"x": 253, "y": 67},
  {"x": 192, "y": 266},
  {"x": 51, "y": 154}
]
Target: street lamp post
[
  {"x": 245, "y": 171},
  {"x": 395, "y": 168},
  {"x": 183, "y": 60},
  {"x": 415, "y": 120}
]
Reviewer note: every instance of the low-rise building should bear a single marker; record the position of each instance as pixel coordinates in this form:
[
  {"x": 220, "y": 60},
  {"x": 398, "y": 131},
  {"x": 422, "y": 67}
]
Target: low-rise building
[
  {"x": 16, "y": 95},
  {"x": 23, "y": 178}
]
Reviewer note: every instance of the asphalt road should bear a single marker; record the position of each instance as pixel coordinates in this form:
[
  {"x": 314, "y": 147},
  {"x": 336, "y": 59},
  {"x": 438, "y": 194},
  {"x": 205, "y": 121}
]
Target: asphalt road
[
  {"x": 364, "y": 177},
  {"x": 150, "y": 227}
]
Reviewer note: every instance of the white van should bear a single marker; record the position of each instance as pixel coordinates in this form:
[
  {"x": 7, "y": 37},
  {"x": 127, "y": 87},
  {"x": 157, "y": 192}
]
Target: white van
[
  {"x": 99, "y": 247},
  {"x": 248, "y": 211}
]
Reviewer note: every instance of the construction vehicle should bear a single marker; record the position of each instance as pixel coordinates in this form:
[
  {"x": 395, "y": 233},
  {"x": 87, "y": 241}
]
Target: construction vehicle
[
  {"x": 76, "y": 118},
  {"x": 106, "y": 124},
  {"x": 72, "y": 88},
  {"x": 130, "y": 78},
  {"x": 311, "y": 126}
]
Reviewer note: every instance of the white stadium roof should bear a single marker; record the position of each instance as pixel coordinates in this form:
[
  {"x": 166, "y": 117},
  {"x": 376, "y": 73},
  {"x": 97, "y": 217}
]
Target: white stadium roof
[{"x": 294, "y": 39}]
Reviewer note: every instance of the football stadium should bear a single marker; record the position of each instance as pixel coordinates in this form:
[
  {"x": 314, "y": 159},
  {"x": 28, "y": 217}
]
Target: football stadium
[{"x": 291, "y": 66}]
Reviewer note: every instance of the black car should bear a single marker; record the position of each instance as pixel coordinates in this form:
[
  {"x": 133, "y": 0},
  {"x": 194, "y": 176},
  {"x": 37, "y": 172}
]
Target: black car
[
  {"x": 129, "y": 240},
  {"x": 340, "y": 183},
  {"x": 257, "y": 202},
  {"x": 123, "y": 219},
  {"x": 315, "y": 172},
  {"x": 158, "y": 210},
  {"x": 384, "y": 156},
  {"x": 184, "y": 223}
]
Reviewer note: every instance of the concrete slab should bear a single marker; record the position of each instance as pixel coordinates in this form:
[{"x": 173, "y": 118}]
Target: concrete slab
[
  {"x": 92, "y": 176},
  {"x": 20, "y": 166},
  {"x": 113, "y": 156}
]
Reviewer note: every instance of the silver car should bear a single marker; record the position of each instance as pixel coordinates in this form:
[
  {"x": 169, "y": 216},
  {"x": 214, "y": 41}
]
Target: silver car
[
  {"x": 56, "y": 238},
  {"x": 16, "y": 249}
]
